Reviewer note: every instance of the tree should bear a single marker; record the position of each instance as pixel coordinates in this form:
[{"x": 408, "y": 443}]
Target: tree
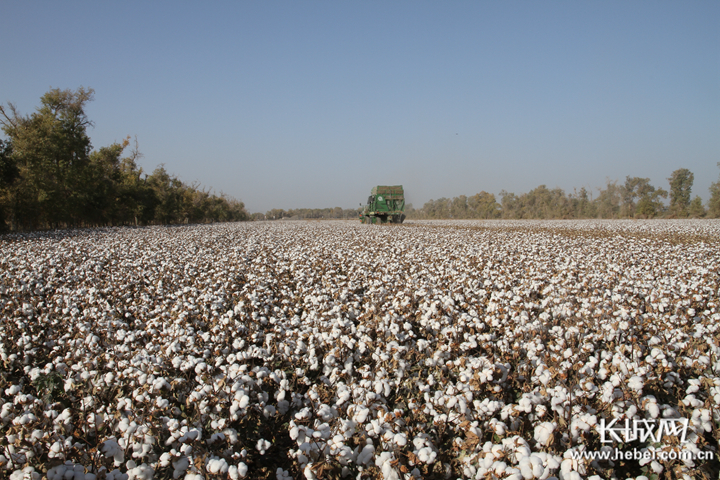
[
  {"x": 276, "y": 214},
  {"x": 101, "y": 186},
  {"x": 509, "y": 202},
  {"x": 681, "y": 182},
  {"x": 648, "y": 204},
  {"x": 51, "y": 150},
  {"x": 167, "y": 193},
  {"x": 8, "y": 169},
  {"x": 581, "y": 204},
  {"x": 458, "y": 207},
  {"x": 631, "y": 191},
  {"x": 409, "y": 211},
  {"x": 608, "y": 202},
  {"x": 49, "y": 176},
  {"x": 484, "y": 205},
  {"x": 696, "y": 209},
  {"x": 9, "y": 174},
  {"x": 714, "y": 202}
]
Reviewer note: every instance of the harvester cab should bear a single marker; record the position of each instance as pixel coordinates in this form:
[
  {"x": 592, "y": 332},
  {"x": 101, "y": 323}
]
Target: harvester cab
[{"x": 386, "y": 204}]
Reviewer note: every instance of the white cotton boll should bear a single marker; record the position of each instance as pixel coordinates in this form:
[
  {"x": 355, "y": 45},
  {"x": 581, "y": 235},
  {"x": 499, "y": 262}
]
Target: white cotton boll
[
  {"x": 636, "y": 383},
  {"x": 544, "y": 433},
  {"x": 7, "y": 409},
  {"x": 111, "y": 448},
  {"x": 389, "y": 472},
  {"x": 426, "y": 455},
  {"x": 384, "y": 461},
  {"x": 268, "y": 411},
  {"x": 69, "y": 385},
  {"x": 116, "y": 475},
  {"x": 653, "y": 409},
  {"x": 361, "y": 415},
  {"x": 216, "y": 437},
  {"x": 57, "y": 473},
  {"x": 326, "y": 412},
  {"x": 24, "y": 419},
  {"x": 262, "y": 446},
  {"x": 179, "y": 466},
  {"x": 233, "y": 472},
  {"x": 498, "y": 467},
  {"x": 217, "y": 465},
  {"x": 526, "y": 469},
  {"x": 308, "y": 473},
  {"x": 400, "y": 439},
  {"x": 283, "y": 406},
  {"x": 366, "y": 455},
  {"x": 12, "y": 390},
  {"x": 27, "y": 473},
  {"x": 281, "y": 474},
  {"x": 165, "y": 459},
  {"x": 343, "y": 397},
  {"x": 294, "y": 431}
]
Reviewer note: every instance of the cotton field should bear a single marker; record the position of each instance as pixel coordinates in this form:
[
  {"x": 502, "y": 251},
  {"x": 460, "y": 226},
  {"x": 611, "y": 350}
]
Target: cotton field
[{"x": 312, "y": 350}]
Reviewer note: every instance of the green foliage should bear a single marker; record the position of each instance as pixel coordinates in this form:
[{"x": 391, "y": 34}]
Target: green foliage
[
  {"x": 336, "y": 213},
  {"x": 51, "y": 150},
  {"x": 9, "y": 173},
  {"x": 609, "y": 201},
  {"x": 696, "y": 209},
  {"x": 51, "y": 177},
  {"x": 540, "y": 202},
  {"x": 637, "y": 198},
  {"x": 484, "y": 205},
  {"x": 49, "y": 386},
  {"x": 714, "y": 202},
  {"x": 681, "y": 182},
  {"x": 582, "y": 204},
  {"x": 481, "y": 205},
  {"x": 648, "y": 198},
  {"x": 8, "y": 168}
]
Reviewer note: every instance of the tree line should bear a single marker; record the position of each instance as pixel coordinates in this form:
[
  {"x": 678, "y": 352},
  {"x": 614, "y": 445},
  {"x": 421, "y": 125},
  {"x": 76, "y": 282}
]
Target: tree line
[
  {"x": 307, "y": 213},
  {"x": 636, "y": 198},
  {"x": 50, "y": 176}
]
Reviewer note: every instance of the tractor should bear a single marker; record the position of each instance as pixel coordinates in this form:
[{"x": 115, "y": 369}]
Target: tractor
[{"x": 386, "y": 204}]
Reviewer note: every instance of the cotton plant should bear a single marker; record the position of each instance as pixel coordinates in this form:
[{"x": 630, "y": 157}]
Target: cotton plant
[{"x": 464, "y": 348}]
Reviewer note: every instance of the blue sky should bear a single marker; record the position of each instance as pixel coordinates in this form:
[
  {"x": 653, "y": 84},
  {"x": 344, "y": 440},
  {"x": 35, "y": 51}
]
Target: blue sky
[{"x": 309, "y": 104}]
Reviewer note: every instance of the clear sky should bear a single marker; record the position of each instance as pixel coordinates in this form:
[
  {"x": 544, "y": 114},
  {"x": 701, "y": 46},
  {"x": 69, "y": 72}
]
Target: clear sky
[{"x": 288, "y": 104}]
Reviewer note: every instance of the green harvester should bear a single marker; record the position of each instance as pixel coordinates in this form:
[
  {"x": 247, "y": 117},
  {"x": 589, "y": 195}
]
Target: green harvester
[{"x": 386, "y": 204}]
